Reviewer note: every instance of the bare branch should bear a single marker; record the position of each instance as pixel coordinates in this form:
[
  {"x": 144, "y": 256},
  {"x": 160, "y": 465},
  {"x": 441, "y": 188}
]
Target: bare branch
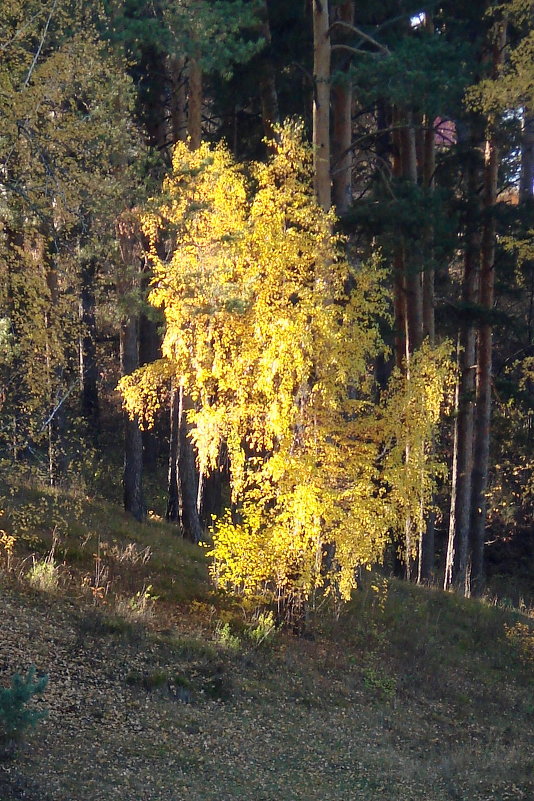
[
  {"x": 41, "y": 43},
  {"x": 365, "y": 36},
  {"x": 18, "y": 33},
  {"x": 353, "y": 50}
]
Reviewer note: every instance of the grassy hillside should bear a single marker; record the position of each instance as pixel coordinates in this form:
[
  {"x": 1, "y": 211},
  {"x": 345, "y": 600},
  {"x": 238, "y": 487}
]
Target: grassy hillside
[{"x": 162, "y": 690}]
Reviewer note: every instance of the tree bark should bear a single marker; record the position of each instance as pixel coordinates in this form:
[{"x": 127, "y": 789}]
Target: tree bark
[
  {"x": 321, "y": 103},
  {"x": 57, "y": 457},
  {"x": 414, "y": 287},
  {"x": 177, "y": 80},
  {"x": 188, "y": 477},
  {"x": 127, "y": 284},
  {"x": 153, "y": 97},
  {"x": 526, "y": 179},
  {"x": 399, "y": 279},
  {"x": 426, "y": 565},
  {"x": 485, "y": 335},
  {"x": 149, "y": 351},
  {"x": 456, "y": 572},
  {"x": 342, "y": 123},
  {"x": 268, "y": 95},
  {"x": 194, "y": 118},
  {"x": 88, "y": 359},
  {"x": 133, "y": 440},
  {"x": 429, "y": 167},
  {"x": 173, "y": 488}
]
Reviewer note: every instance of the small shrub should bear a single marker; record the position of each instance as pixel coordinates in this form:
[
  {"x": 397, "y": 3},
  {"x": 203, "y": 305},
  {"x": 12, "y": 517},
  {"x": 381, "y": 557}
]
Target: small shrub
[
  {"x": 193, "y": 649},
  {"x": 44, "y": 574},
  {"x": 181, "y": 688},
  {"x": 226, "y": 638},
  {"x": 130, "y": 554},
  {"x": 379, "y": 683},
  {"x": 15, "y": 717},
  {"x": 139, "y": 608},
  {"x": 521, "y": 635},
  {"x": 7, "y": 544},
  {"x": 263, "y": 629},
  {"x": 154, "y": 680}
]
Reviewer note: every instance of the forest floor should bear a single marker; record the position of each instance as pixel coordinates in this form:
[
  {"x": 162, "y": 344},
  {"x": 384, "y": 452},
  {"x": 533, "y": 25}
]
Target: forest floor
[{"x": 409, "y": 694}]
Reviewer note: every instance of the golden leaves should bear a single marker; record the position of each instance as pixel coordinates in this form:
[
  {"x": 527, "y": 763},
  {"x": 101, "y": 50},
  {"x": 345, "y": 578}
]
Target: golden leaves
[
  {"x": 267, "y": 341},
  {"x": 276, "y": 356}
]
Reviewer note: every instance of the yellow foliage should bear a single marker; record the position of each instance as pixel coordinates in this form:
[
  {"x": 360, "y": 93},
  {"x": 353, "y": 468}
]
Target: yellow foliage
[
  {"x": 143, "y": 391},
  {"x": 275, "y": 354},
  {"x": 411, "y": 413}
]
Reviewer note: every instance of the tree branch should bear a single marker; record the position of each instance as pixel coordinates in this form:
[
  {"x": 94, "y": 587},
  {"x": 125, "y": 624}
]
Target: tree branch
[
  {"x": 365, "y": 36},
  {"x": 353, "y": 50},
  {"x": 41, "y": 43}
]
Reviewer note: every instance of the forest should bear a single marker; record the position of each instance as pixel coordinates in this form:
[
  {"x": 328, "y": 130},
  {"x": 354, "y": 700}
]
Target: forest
[
  {"x": 277, "y": 259},
  {"x": 266, "y": 400}
]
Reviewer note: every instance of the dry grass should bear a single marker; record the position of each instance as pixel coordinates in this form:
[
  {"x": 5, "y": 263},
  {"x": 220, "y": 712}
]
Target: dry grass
[{"x": 411, "y": 694}]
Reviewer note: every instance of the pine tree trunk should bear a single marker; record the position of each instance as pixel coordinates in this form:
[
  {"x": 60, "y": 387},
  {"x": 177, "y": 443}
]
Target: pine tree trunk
[
  {"x": 321, "y": 103},
  {"x": 188, "y": 477},
  {"x": 342, "y": 124},
  {"x": 463, "y": 453},
  {"x": 177, "y": 80},
  {"x": 212, "y": 496},
  {"x": 194, "y": 119},
  {"x": 57, "y": 457},
  {"x": 429, "y": 167},
  {"x": 414, "y": 287},
  {"x": 149, "y": 351},
  {"x": 153, "y": 96},
  {"x": 484, "y": 361},
  {"x": 457, "y": 568},
  {"x": 128, "y": 282},
  {"x": 133, "y": 440},
  {"x": 399, "y": 278},
  {"x": 88, "y": 359},
  {"x": 426, "y": 566},
  {"x": 173, "y": 489},
  {"x": 184, "y": 489},
  {"x": 526, "y": 179},
  {"x": 267, "y": 81}
]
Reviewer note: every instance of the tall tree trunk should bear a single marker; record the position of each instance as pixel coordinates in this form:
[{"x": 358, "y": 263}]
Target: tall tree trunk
[
  {"x": 484, "y": 361},
  {"x": 457, "y": 568},
  {"x": 133, "y": 440},
  {"x": 342, "y": 123},
  {"x": 184, "y": 496},
  {"x": 414, "y": 287},
  {"x": 194, "y": 119},
  {"x": 57, "y": 457},
  {"x": 183, "y": 477},
  {"x": 321, "y": 102},
  {"x": 127, "y": 284},
  {"x": 429, "y": 167},
  {"x": 401, "y": 559},
  {"x": 426, "y": 565},
  {"x": 526, "y": 179},
  {"x": 399, "y": 278},
  {"x": 267, "y": 81},
  {"x": 88, "y": 359},
  {"x": 177, "y": 80},
  {"x": 526, "y": 195},
  {"x": 188, "y": 477},
  {"x": 153, "y": 97},
  {"x": 149, "y": 351},
  {"x": 173, "y": 486},
  {"x": 408, "y": 296}
]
